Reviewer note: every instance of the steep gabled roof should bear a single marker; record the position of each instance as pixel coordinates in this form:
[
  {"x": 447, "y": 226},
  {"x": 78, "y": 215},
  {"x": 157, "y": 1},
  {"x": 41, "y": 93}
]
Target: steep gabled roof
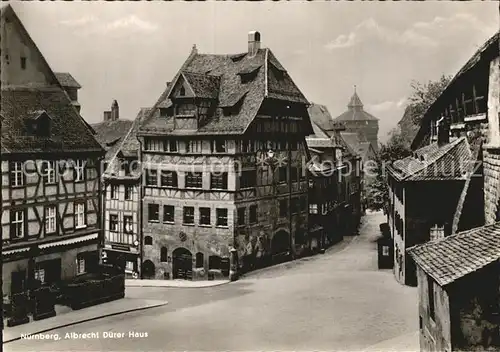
[
  {"x": 491, "y": 45},
  {"x": 204, "y": 86},
  {"x": 451, "y": 258},
  {"x": 110, "y": 134},
  {"x": 67, "y": 80},
  {"x": 219, "y": 77},
  {"x": 321, "y": 117},
  {"x": 69, "y": 131},
  {"x": 435, "y": 162}
]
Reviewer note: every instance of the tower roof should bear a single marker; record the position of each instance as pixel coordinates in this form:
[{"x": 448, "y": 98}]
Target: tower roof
[
  {"x": 355, "y": 111},
  {"x": 355, "y": 102}
]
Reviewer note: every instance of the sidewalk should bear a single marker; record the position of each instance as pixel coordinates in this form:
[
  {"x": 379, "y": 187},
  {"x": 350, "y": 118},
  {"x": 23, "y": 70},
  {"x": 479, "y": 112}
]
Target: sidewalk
[
  {"x": 174, "y": 283},
  {"x": 66, "y": 316}
]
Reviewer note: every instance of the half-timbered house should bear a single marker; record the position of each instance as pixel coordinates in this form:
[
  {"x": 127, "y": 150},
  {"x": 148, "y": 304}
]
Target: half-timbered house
[
  {"x": 346, "y": 156},
  {"x": 224, "y": 159},
  {"x": 50, "y": 170},
  {"x": 453, "y": 173},
  {"x": 121, "y": 184}
]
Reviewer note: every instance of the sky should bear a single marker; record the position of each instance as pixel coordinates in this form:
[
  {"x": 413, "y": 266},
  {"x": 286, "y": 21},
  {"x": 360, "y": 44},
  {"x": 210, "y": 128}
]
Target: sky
[{"x": 128, "y": 50}]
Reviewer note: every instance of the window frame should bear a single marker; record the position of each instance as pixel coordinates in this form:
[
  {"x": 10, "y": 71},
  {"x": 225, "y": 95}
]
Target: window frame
[
  {"x": 150, "y": 175},
  {"x": 219, "y": 180},
  {"x": 79, "y": 170},
  {"x": 126, "y": 222},
  {"x": 205, "y": 216},
  {"x": 48, "y": 217},
  {"x": 18, "y": 224},
  {"x": 114, "y": 190},
  {"x": 17, "y": 176},
  {"x": 170, "y": 177},
  {"x": 221, "y": 220},
  {"x": 151, "y": 209},
  {"x": 191, "y": 178},
  {"x": 216, "y": 144},
  {"x": 283, "y": 208},
  {"x": 169, "y": 219},
  {"x": 48, "y": 170},
  {"x": 113, "y": 225},
  {"x": 185, "y": 214},
  {"x": 80, "y": 214},
  {"x": 129, "y": 192},
  {"x": 81, "y": 265}
]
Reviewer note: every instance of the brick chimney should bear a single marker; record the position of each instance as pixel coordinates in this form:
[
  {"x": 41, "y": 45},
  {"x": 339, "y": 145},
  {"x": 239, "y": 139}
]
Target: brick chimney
[
  {"x": 115, "y": 111},
  {"x": 253, "y": 42}
]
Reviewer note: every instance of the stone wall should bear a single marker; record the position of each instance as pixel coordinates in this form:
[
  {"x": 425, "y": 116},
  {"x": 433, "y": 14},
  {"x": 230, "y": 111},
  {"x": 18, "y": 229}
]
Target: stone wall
[{"x": 491, "y": 161}]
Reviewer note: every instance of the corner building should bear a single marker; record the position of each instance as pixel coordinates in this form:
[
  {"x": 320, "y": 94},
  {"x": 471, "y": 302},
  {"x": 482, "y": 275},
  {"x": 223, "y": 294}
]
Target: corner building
[{"x": 225, "y": 167}]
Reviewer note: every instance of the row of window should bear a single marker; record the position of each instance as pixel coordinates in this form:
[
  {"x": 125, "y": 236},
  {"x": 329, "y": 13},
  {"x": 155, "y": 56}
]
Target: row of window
[
  {"x": 18, "y": 220},
  {"x": 48, "y": 170},
  {"x": 217, "y": 146},
  {"x": 214, "y": 262},
  {"x": 192, "y": 179},
  {"x": 172, "y": 146},
  {"x": 114, "y": 192},
  {"x": 217, "y": 180},
  {"x": 128, "y": 222},
  {"x": 187, "y": 215},
  {"x": 324, "y": 208}
]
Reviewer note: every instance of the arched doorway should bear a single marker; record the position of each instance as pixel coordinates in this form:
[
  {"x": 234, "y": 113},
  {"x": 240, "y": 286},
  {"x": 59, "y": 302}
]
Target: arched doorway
[
  {"x": 148, "y": 269},
  {"x": 280, "y": 242},
  {"x": 182, "y": 264}
]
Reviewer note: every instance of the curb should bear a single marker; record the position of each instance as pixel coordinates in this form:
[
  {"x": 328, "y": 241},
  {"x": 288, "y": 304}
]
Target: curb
[
  {"x": 88, "y": 319},
  {"x": 181, "y": 287}
]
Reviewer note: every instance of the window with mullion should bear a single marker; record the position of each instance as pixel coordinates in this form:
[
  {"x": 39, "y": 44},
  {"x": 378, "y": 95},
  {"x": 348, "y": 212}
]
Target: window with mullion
[
  {"x": 50, "y": 219},
  {"x": 80, "y": 220},
  {"x": 219, "y": 146},
  {"x": 79, "y": 170},
  {"x": 205, "y": 216},
  {"x": 221, "y": 217},
  {"x": 218, "y": 180},
  {"x": 17, "y": 223},
  {"x": 48, "y": 171},
  {"x": 170, "y": 146},
  {"x": 151, "y": 177},
  {"x": 194, "y": 180},
  {"x": 113, "y": 222},
  {"x": 17, "y": 178},
  {"x": 168, "y": 178}
]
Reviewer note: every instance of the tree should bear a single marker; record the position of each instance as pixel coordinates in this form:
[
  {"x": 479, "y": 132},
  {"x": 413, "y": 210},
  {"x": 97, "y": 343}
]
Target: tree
[
  {"x": 377, "y": 194},
  {"x": 424, "y": 94},
  {"x": 421, "y": 98},
  {"x": 400, "y": 139}
]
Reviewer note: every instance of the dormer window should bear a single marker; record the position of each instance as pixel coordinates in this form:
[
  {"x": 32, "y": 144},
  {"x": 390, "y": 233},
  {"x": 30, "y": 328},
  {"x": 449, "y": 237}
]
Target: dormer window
[
  {"x": 248, "y": 74},
  {"x": 39, "y": 124},
  {"x": 182, "y": 92}
]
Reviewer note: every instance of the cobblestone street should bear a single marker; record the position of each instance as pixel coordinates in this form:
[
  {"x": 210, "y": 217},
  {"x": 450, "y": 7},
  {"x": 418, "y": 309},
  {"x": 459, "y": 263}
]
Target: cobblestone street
[{"x": 335, "y": 301}]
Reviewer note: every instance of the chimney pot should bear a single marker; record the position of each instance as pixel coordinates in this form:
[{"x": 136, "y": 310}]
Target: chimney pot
[{"x": 253, "y": 42}]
